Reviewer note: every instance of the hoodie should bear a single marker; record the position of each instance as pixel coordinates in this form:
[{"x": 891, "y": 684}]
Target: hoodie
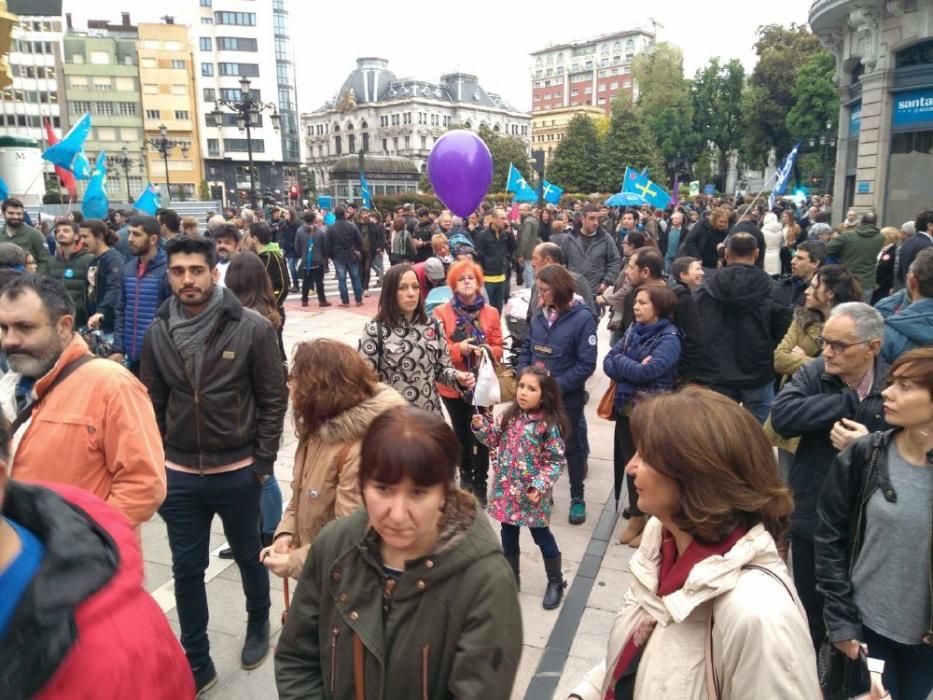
[
  {"x": 858, "y": 251},
  {"x": 742, "y": 325},
  {"x": 911, "y": 328}
]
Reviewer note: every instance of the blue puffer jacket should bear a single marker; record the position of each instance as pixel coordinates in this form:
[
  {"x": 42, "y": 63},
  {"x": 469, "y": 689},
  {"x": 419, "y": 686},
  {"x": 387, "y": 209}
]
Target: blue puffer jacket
[
  {"x": 567, "y": 349},
  {"x": 142, "y": 297},
  {"x": 662, "y": 342},
  {"x": 909, "y": 329}
]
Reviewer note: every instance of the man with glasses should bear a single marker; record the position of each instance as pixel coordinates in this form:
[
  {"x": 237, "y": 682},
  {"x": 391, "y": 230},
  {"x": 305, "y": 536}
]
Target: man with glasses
[{"x": 831, "y": 401}]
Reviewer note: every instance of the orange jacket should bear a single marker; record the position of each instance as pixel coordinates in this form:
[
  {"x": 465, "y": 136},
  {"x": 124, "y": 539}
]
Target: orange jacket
[
  {"x": 96, "y": 430},
  {"x": 492, "y": 327}
]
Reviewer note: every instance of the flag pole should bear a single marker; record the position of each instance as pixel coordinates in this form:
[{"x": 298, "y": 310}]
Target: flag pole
[{"x": 763, "y": 188}]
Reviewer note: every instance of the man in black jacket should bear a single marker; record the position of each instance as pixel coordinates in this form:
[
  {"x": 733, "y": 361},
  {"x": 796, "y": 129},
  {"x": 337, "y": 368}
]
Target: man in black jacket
[
  {"x": 220, "y": 400},
  {"x": 829, "y": 402},
  {"x": 310, "y": 247},
  {"x": 790, "y": 290},
  {"x": 494, "y": 248},
  {"x": 742, "y": 325},
  {"x": 344, "y": 245}
]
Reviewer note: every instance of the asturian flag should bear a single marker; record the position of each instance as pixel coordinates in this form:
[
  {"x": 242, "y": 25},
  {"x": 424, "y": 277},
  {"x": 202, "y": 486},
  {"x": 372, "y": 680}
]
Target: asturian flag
[
  {"x": 783, "y": 175},
  {"x": 96, "y": 203},
  {"x": 148, "y": 201},
  {"x": 69, "y": 152},
  {"x": 364, "y": 191},
  {"x": 651, "y": 192},
  {"x": 516, "y": 183},
  {"x": 552, "y": 193}
]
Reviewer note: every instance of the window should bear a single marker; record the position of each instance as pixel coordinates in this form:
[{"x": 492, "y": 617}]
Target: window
[
  {"x": 207, "y": 70},
  {"x": 243, "y": 19},
  {"x": 148, "y": 63},
  {"x": 78, "y": 81},
  {"x": 250, "y": 70},
  {"x": 126, "y": 84},
  {"x": 588, "y": 90},
  {"x": 126, "y": 109},
  {"x": 106, "y": 133},
  {"x": 210, "y": 94},
  {"x": 206, "y": 43},
  {"x": 235, "y": 94},
  {"x": 233, "y": 43},
  {"x": 150, "y": 89},
  {"x": 407, "y": 142},
  {"x": 626, "y": 83},
  {"x": 351, "y": 144},
  {"x": 153, "y": 114},
  {"x": 77, "y": 58},
  {"x": 129, "y": 135},
  {"x": 178, "y": 64},
  {"x": 205, "y": 3},
  {"x": 424, "y": 142},
  {"x": 338, "y": 145},
  {"x": 104, "y": 109},
  {"x": 207, "y": 20},
  {"x": 100, "y": 58},
  {"x": 385, "y": 145},
  {"x": 602, "y": 87},
  {"x": 626, "y": 70},
  {"x": 80, "y": 107},
  {"x": 574, "y": 92},
  {"x": 259, "y": 145},
  {"x": 614, "y": 85},
  {"x": 178, "y": 89},
  {"x": 601, "y": 100},
  {"x": 213, "y": 147},
  {"x": 181, "y": 114}
]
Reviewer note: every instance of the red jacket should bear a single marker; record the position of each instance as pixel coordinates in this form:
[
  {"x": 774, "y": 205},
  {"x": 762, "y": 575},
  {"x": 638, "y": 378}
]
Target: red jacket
[
  {"x": 492, "y": 326},
  {"x": 89, "y": 627}
]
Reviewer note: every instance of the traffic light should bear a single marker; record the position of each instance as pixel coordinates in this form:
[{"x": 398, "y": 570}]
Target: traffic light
[
  {"x": 7, "y": 21},
  {"x": 293, "y": 192}
]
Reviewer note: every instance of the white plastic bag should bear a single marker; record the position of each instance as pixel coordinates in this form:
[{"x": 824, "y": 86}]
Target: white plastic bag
[{"x": 486, "y": 391}]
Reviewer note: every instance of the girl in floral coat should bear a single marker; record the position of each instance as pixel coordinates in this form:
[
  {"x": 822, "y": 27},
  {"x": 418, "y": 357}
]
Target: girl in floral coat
[{"x": 530, "y": 441}]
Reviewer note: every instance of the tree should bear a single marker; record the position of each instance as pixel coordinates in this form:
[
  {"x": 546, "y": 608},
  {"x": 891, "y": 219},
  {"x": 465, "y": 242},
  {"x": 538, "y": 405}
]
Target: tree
[
  {"x": 716, "y": 95},
  {"x": 782, "y": 52},
  {"x": 815, "y": 97},
  {"x": 575, "y": 163},
  {"x": 505, "y": 150},
  {"x": 628, "y": 142},
  {"x": 664, "y": 101}
]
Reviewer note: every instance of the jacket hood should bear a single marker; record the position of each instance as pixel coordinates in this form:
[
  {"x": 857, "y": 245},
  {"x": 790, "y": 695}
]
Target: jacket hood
[
  {"x": 915, "y": 322},
  {"x": 772, "y": 227},
  {"x": 740, "y": 287},
  {"x": 353, "y": 423},
  {"x": 708, "y": 579},
  {"x": 868, "y": 231}
]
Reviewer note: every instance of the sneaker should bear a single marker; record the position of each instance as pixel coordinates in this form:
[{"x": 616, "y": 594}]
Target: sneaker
[
  {"x": 359, "y": 303},
  {"x": 577, "y": 512},
  {"x": 205, "y": 678},
  {"x": 324, "y": 304},
  {"x": 256, "y": 646}
]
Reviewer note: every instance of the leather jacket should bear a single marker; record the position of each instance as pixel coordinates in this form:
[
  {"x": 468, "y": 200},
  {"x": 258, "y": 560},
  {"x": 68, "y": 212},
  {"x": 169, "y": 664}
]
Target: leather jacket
[{"x": 855, "y": 475}]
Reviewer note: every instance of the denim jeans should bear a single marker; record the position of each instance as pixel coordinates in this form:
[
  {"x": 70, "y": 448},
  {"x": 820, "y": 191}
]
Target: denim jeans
[
  {"x": 341, "y": 268},
  {"x": 293, "y": 270},
  {"x": 576, "y": 451},
  {"x": 528, "y": 276},
  {"x": 188, "y": 510},
  {"x": 542, "y": 536},
  {"x": 803, "y": 562},
  {"x": 379, "y": 262},
  {"x": 756, "y": 401},
  {"x": 496, "y": 292},
  {"x": 908, "y": 668},
  {"x": 270, "y": 506},
  {"x": 313, "y": 277}
]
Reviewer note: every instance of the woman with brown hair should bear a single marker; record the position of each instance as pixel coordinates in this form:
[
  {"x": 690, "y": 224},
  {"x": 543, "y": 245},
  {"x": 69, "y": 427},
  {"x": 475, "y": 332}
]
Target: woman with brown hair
[
  {"x": 335, "y": 397},
  {"x": 711, "y": 611},
  {"x": 247, "y": 278},
  {"x": 410, "y": 596}
]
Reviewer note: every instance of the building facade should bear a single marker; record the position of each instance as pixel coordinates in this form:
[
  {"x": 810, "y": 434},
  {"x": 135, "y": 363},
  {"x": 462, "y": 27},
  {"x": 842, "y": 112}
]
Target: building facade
[
  {"x": 101, "y": 76},
  {"x": 234, "y": 39},
  {"x": 884, "y": 62},
  {"x": 168, "y": 93},
  {"x": 548, "y": 126},
  {"x": 377, "y": 113},
  {"x": 586, "y": 72}
]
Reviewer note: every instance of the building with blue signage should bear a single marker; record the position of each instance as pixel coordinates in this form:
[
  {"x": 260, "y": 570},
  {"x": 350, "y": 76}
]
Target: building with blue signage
[{"x": 884, "y": 60}]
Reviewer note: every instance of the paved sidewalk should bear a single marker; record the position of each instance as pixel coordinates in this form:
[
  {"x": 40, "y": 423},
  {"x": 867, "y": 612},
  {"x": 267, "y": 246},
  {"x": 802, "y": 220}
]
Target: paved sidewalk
[{"x": 560, "y": 645}]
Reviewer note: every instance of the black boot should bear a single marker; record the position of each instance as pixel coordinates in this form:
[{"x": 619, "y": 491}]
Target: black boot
[
  {"x": 256, "y": 646},
  {"x": 555, "y": 584},
  {"x": 513, "y": 560}
]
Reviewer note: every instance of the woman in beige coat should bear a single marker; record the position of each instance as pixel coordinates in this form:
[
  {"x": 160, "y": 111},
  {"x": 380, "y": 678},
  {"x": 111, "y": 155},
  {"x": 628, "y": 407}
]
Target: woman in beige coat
[
  {"x": 335, "y": 396},
  {"x": 711, "y": 612}
]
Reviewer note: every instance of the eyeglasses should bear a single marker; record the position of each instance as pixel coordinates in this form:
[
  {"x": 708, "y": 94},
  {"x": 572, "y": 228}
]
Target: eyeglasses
[{"x": 837, "y": 346}]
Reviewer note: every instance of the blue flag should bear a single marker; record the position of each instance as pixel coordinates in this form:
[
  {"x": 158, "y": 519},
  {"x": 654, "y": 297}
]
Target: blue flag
[
  {"x": 652, "y": 193},
  {"x": 4, "y": 190},
  {"x": 525, "y": 195},
  {"x": 95, "y": 203},
  {"x": 516, "y": 183},
  {"x": 69, "y": 152},
  {"x": 552, "y": 193},
  {"x": 783, "y": 175},
  {"x": 364, "y": 191},
  {"x": 148, "y": 202}
]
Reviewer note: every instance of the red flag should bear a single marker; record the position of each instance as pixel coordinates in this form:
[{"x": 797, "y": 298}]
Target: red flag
[{"x": 66, "y": 177}]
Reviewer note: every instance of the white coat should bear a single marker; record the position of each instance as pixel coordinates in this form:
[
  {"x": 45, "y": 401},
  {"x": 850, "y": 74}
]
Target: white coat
[
  {"x": 774, "y": 239},
  {"x": 761, "y": 643}
]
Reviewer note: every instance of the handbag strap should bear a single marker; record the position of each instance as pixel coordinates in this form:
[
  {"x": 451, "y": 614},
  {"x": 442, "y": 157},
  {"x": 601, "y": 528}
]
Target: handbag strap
[
  {"x": 359, "y": 684},
  {"x": 26, "y": 412}
]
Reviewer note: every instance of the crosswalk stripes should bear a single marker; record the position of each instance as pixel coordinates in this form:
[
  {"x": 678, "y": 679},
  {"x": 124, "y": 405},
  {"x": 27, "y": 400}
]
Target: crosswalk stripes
[{"x": 331, "y": 288}]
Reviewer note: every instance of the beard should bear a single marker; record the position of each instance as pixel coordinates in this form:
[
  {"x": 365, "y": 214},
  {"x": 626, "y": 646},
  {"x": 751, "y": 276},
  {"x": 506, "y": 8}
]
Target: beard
[{"x": 35, "y": 363}]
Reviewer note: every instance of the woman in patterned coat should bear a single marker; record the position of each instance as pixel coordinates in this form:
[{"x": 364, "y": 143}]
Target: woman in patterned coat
[{"x": 406, "y": 347}]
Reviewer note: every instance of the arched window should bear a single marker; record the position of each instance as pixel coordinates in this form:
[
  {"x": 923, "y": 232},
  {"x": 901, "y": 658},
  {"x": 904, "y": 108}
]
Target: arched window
[
  {"x": 364, "y": 125},
  {"x": 351, "y": 143},
  {"x": 338, "y": 149},
  {"x": 349, "y": 126},
  {"x": 630, "y": 45}
]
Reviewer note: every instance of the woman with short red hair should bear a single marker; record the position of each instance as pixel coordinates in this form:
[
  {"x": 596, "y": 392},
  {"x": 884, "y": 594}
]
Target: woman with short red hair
[{"x": 469, "y": 324}]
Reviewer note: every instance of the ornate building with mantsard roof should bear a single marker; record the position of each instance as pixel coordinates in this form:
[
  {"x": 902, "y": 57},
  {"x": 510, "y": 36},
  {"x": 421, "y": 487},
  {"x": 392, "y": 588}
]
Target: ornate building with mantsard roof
[{"x": 388, "y": 119}]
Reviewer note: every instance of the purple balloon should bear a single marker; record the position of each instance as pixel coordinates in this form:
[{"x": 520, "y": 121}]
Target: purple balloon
[{"x": 460, "y": 170}]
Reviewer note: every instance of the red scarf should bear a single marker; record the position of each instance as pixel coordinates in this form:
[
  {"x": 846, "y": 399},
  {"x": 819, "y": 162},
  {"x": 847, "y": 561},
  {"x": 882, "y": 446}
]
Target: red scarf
[{"x": 673, "y": 575}]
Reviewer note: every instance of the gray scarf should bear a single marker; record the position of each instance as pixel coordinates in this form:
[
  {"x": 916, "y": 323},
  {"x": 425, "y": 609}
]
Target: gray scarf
[{"x": 190, "y": 333}]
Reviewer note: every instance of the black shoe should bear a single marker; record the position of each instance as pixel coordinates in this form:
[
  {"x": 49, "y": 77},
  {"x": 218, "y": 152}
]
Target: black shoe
[
  {"x": 555, "y": 584},
  {"x": 513, "y": 560},
  {"x": 256, "y": 646},
  {"x": 225, "y": 553},
  {"x": 205, "y": 677},
  {"x": 304, "y": 302}
]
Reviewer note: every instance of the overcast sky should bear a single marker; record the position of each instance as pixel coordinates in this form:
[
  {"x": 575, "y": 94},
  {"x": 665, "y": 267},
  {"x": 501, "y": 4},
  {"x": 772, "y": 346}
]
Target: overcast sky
[{"x": 490, "y": 38}]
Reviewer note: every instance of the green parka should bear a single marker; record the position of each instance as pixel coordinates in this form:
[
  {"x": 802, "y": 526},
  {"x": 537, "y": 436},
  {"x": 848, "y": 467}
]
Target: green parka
[
  {"x": 858, "y": 251},
  {"x": 453, "y": 629}
]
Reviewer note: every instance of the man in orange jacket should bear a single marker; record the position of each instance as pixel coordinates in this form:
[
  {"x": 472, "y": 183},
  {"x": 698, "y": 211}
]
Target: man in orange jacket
[{"x": 88, "y": 424}]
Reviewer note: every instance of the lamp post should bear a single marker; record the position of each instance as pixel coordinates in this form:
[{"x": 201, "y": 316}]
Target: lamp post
[
  {"x": 245, "y": 109},
  {"x": 827, "y": 142},
  {"x": 164, "y": 145},
  {"x": 124, "y": 161}
]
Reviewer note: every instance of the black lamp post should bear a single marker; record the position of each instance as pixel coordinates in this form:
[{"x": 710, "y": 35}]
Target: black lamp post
[
  {"x": 827, "y": 141},
  {"x": 245, "y": 109},
  {"x": 164, "y": 145},
  {"x": 123, "y": 161}
]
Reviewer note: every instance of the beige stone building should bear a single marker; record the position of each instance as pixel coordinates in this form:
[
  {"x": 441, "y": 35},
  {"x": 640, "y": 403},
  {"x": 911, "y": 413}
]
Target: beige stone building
[
  {"x": 549, "y": 126},
  {"x": 884, "y": 60},
  {"x": 169, "y": 98}
]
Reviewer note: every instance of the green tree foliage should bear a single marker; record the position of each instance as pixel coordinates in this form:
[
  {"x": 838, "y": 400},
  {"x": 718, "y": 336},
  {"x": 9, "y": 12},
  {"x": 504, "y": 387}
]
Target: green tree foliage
[
  {"x": 505, "y": 150},
  {"x": 575, "y": 163},
  {"x": 782, "y": 52},
  {"x": 815, "y": 97},
  {"x": 664, "y": 101},
  {"x": 629, "y": 142},
  {"x": 716, "y": 96}
]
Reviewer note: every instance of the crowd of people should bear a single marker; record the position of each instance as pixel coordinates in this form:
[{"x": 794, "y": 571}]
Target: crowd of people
[{"x": 771, "y": 388}]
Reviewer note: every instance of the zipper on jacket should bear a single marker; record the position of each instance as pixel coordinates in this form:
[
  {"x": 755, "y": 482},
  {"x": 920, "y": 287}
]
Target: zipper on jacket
[
  {"x": 425, "y": 653},
  {"x": 333, "y": 658},
  {"x": 197, "y": 430}
]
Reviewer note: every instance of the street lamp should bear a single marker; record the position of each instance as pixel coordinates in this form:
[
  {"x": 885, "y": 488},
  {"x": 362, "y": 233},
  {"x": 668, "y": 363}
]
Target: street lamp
[
  {"x": 124, "y": 161},
  {"x": 245, "y": 109},
  {"x": 827, "y": 142},
  {"x": 164, "y": 145}
]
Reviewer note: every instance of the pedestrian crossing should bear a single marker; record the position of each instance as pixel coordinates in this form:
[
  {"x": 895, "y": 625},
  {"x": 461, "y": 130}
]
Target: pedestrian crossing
[{"x": 332, "y": 290}]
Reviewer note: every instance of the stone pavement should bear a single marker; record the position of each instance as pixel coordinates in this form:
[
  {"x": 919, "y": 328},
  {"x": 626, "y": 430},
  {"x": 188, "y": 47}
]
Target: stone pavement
[{"x": 560, "y": 646}]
